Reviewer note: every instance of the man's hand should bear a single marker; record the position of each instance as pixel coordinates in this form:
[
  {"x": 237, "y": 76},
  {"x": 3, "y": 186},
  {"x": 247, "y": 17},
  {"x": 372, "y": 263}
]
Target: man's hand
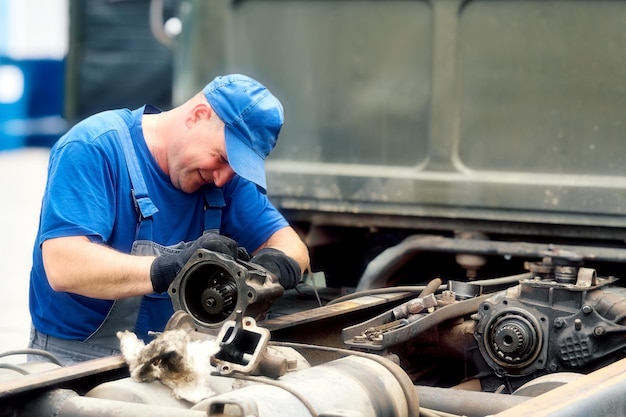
[
  {"x": 284, "y": 267},
  {"x": 165, "y": 267}
]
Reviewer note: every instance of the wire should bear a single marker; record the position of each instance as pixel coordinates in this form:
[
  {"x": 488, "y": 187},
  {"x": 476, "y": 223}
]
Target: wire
[
  {"x": 317, "y": 295},
  {"x": 280, "y": 385},
  {"x": 387, "y": 290},
  {"x": 15, "y": 368},
  {"x": 417, "y": 288},
  {"x": 30, "y": 351}
]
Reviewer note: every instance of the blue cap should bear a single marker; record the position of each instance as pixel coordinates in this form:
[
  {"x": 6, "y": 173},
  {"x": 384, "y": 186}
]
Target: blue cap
[{"x": 253, "y": 118}]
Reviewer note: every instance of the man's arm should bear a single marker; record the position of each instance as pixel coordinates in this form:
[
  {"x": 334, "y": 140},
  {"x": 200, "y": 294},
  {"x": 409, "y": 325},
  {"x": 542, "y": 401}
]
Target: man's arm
[
  {"x": 77, "y": 265},
  {"x": 288, "y": 241}
]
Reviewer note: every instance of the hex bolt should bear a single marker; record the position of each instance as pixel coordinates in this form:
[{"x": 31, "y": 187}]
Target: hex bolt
[
  {"x": 587, "y": 309},
  {"x": 558, "y": 323},
  {"x": 599, "y": 331}
]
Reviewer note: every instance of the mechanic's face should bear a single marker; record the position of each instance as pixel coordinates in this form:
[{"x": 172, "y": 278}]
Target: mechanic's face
[{"x": 199, "y": 157}]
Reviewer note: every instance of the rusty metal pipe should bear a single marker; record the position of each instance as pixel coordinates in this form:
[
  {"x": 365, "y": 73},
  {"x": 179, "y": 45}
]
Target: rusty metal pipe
[{"x": 431, "y": 287}]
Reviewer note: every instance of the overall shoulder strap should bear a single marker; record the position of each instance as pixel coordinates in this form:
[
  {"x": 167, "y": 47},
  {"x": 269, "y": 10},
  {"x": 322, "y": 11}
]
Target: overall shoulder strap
[
  {"x": 213, "y": 205},
  {"x": 144, "y": 206}
]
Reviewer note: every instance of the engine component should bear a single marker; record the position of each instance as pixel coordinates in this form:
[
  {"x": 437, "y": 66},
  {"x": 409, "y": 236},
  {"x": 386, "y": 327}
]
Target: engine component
[
  {"x": 335, "y": 388},
  {"x": 331, "y": 389},
  {"x": 565, "y": 319},
  {"x": 212, "y": 288},
  {"x": 385, "y": 329},
  {"x": 241, "y": 343},
  {"x": 243, "y": 348},
  {"x": 512, "y": 338}
]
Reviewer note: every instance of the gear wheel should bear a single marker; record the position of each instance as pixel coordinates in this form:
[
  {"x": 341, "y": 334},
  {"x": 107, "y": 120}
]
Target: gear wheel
[
  {"x": 512, "y": 339},
  {"x": 216, "y": 300},
  {"x": 219, "y": 299}
]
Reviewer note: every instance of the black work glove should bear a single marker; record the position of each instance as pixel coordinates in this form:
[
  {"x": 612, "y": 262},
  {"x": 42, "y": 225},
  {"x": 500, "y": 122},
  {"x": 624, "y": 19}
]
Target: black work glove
[
  {"x": 165, "y": 267},
  {"x": 284, "y": 267}
]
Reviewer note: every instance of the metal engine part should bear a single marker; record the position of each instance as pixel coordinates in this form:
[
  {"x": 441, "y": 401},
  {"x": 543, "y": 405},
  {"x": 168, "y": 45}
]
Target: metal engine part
[
  {"x": 212, "y": 287},
  {"x": 564, "y": 319},
  {"x": 243, "y": 349},
  {"x": 335, "y": 388}
]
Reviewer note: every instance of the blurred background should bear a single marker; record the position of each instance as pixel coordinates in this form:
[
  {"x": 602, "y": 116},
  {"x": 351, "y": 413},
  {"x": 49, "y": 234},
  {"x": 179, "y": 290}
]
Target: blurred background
[
  {"x": 58, "y": 62},
  {"x": 33, "y": 48}
]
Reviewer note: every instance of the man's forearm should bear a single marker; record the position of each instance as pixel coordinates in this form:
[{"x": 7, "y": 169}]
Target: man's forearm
[
  {"x": 77, "y": 265},
  {"x": 288, "y": 241}
]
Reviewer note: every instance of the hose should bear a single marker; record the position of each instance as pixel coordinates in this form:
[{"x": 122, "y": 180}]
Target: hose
[{"x": 30, "y": 351}]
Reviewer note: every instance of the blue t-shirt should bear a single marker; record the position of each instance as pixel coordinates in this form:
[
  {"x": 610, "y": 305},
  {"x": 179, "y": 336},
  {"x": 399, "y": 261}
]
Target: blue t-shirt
[{"x": 88, "y": 193}]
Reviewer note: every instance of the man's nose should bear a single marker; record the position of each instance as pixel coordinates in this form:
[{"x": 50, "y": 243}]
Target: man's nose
[{"x": 222, "y": 176}]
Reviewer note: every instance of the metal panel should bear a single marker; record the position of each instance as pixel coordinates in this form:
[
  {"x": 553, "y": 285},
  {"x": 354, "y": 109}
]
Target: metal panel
[
  {"x": 495, "y": 110},
  {"x": 542, "y": 87}
]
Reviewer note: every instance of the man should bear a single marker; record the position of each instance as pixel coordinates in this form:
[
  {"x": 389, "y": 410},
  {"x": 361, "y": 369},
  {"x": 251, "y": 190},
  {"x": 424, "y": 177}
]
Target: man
[{"x": 131, "y": 195}]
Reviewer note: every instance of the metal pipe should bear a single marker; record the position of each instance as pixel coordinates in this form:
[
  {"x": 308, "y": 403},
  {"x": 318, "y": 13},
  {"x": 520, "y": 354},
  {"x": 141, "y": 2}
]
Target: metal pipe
[
  {"x": 431, "y": 287},
  {"x": 600, "y": 393},
  {"x": 511, "y": 279},
  {"x": 400, "y": 376},
  {"x": 466, "y": 403},
  {"x": 381, "y": 268},
  {"x": 67, "y": 403}
]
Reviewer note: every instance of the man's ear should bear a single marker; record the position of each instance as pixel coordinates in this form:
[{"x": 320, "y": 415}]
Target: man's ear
[{"x": 198, "y": 113}]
